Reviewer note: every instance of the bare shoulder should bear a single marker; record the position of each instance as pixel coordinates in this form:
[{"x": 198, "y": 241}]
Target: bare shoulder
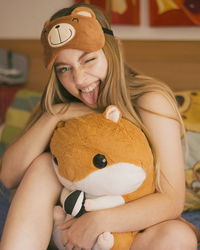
[
  {"x": 158, "y": 103},
  {"x": 159, "y": 114}
]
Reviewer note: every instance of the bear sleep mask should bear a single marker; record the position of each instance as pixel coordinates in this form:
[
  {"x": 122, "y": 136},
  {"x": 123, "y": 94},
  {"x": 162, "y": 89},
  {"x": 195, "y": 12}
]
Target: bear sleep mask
[{"x": 79, "y": 30}]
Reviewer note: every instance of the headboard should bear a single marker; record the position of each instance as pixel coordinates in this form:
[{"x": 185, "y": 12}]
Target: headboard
[{"x": 175, "y": 62}]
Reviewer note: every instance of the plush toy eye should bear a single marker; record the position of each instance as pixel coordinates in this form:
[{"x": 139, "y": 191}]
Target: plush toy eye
[
  {"x": 99, "y": 161},
  {"x": 55, "y": 160}
]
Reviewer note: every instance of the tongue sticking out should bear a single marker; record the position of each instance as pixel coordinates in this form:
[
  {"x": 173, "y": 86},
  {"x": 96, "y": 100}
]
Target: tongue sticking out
[{"x": 90, "y": 97}]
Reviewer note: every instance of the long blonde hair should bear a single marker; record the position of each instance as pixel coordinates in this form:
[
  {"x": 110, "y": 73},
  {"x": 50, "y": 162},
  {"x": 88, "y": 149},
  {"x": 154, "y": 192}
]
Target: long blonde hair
[{"x": 122, "y": 86}]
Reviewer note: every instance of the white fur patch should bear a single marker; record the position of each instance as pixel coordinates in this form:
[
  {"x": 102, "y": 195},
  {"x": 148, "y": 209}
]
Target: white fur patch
[
  {"x": 118, "y": 179},
  {"x": 103, "y": 202}
]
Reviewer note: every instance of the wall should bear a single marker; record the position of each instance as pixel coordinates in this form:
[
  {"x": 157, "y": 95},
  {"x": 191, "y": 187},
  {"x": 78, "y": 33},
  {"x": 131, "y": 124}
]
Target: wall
[
  {"x": 23, "y": 19},
  {"x": 144, "y": 32},
  {"x": 27, "y": 17}
]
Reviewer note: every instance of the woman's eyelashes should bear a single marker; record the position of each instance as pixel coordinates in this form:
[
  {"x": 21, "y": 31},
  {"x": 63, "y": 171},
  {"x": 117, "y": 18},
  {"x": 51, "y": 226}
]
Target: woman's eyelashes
[
  {"x": 62, "y": 70},
  {"x": 89, "y": 60}
]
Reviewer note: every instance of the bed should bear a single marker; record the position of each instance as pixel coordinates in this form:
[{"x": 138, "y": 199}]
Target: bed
[{"x": 175, "y": 62}]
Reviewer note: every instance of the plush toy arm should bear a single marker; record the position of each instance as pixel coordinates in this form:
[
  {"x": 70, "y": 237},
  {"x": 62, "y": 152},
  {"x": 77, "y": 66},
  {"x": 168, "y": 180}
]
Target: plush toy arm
[{"x": 103, "y": 202}]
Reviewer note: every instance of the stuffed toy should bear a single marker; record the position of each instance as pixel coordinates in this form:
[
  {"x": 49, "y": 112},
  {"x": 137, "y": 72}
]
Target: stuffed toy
[{"x": 105, "y": 161}]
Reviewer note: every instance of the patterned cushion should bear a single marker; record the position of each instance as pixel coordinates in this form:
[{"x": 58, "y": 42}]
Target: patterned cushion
[
  {"x": 7, "y": 94},
  {"x": 5, "y": 195},
  {"x": 17, "y": 116},
  {"x": 189, "y": 106}
]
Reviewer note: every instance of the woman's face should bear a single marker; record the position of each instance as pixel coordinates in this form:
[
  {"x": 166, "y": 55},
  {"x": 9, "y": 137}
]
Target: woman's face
[{"x": 81, "y": 73}]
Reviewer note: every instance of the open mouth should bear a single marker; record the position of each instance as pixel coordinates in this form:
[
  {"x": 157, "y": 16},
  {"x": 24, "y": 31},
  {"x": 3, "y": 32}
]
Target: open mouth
[
  {"x": 89, "y": 95},
  {"x": 90, "y": 88}
]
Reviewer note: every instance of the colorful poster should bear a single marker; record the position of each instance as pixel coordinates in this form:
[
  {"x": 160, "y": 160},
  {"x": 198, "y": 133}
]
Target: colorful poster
[
  {"x": 122, "y": 12},
  {"x": 174, "y": 12}
]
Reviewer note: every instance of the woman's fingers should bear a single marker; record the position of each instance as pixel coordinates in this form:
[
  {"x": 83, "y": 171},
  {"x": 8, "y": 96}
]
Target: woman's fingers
[
  {"x": 69, "y": 246},
  {"x": 77, "y": 248},
  {"x": 66, "y": 225}
]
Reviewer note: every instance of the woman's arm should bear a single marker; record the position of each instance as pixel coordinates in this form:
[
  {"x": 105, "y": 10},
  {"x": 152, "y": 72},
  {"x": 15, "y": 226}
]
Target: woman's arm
[{"x": 33, "y": 142}]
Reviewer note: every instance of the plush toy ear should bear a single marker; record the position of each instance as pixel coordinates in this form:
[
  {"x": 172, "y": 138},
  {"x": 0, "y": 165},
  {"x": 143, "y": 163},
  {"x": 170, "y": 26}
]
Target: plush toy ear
[
  {"x": 83, "y": 11},
  {"x": 112, "y": 113},
  {"x": 46, "y": 23}
]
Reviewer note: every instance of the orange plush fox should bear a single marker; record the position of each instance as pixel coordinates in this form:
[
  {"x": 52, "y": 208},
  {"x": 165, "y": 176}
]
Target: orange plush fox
[{"x": 104, "y": 161}]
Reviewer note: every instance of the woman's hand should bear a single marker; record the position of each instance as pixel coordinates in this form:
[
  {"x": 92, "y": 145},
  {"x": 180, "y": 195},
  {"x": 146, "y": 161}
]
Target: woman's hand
[
  {"x": 68, "y": 111},
  {"x": 81, "y": 233}
]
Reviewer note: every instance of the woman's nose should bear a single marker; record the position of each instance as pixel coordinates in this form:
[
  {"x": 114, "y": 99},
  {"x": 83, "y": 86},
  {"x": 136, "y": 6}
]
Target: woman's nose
[{"x": 79, "y": 76}]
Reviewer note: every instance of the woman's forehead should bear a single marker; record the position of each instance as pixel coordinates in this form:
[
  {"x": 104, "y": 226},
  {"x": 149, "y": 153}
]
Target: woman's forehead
[{"x": 66, "y": 54}]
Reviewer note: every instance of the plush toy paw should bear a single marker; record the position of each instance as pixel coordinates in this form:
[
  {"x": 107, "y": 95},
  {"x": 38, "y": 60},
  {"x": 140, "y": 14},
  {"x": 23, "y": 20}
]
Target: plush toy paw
[
  {"x": 105, "y": 241},
  {"x": 58, "y": 215},
  {"x": 89, "y": 205}
]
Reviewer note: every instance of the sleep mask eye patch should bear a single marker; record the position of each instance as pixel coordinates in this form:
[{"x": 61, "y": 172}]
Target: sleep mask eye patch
[{"x": 79, "y": 30}]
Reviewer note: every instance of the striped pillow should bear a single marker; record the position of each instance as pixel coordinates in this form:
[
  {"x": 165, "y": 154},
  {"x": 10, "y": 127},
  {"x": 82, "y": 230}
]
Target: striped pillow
[{"x": 17, "y": 116}]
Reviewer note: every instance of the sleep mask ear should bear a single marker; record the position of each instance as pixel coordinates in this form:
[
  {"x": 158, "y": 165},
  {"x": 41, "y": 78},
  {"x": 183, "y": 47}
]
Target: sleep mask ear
[{"x": 79, "y": 30}]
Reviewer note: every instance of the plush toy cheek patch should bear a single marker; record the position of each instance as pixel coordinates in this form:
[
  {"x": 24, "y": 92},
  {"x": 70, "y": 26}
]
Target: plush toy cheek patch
[{"x": 79, "y": 30}]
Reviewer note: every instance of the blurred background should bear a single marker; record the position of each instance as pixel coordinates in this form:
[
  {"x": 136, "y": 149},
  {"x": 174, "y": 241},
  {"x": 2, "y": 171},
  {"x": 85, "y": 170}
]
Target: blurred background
[{"x": 24, "y": 19}]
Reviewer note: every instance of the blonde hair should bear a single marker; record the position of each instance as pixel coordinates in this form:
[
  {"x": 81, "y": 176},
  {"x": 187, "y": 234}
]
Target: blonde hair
[{"x": 122, "y": 86}]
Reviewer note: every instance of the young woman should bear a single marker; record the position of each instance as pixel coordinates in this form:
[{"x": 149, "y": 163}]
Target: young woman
[{"x": 90, "y": 79}]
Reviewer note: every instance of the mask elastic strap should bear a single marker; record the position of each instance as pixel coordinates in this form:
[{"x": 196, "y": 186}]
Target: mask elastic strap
[{"x": 107, "y": 31}]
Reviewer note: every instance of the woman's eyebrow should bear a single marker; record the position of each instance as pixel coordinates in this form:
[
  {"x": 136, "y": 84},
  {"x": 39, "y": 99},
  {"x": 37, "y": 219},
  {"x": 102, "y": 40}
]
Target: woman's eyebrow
[
  {"x": 59, "y": 64},
  {"x": 64, "y": 63},
  {"x": 84, "y": 54}
]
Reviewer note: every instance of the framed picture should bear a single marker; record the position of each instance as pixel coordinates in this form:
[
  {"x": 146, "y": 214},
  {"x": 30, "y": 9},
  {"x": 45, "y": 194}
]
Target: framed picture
[
  {"x": 174, "y": 12},
  {"x": 121, "y": 12}
]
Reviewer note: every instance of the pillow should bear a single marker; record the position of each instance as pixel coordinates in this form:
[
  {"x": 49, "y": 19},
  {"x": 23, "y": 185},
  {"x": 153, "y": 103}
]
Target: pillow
[
  {"x": 17, "y": 116},
  {"x": 189, "y": 106},
  {"x": 1, "y": 128},
  {"x": 7, "y": 94}
]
